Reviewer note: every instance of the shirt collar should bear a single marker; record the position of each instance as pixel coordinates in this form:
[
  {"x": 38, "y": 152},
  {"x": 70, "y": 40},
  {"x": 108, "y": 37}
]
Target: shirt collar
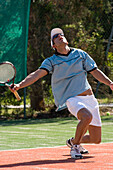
[{"x": 63, "y": 54}]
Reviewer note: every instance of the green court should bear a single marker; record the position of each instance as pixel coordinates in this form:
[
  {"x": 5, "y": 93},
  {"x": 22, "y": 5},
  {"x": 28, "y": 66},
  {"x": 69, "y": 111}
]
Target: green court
[{"x": 35, "y": 133}]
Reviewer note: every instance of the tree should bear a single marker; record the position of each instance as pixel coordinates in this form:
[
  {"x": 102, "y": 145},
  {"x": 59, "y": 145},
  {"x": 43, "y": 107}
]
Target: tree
[{"x": 84, "y": 27}]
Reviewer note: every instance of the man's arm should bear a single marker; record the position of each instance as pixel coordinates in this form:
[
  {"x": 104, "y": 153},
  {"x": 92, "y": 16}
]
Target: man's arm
[
  {"x": 100, "y": 76},
  {"x": 30, "y": 79}
]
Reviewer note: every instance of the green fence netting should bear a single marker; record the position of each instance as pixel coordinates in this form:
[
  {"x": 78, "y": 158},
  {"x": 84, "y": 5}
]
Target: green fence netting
[{"x": 14, "y": 20}]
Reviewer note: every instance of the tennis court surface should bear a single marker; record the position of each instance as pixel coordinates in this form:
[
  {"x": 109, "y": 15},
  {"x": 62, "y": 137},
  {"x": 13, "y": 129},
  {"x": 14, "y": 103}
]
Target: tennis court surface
[{"x": 100, "y": 157}]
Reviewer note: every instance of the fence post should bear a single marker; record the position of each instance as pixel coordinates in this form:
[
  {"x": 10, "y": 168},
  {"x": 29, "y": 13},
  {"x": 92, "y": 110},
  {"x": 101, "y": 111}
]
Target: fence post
[
  {"x": 25, "y": 103},
  {"x": 106, "y": 53}
]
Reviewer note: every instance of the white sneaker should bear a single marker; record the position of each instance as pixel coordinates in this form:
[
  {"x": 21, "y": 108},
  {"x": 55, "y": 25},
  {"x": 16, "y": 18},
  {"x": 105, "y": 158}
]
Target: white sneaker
[
  {"x": 82, "y": 150},
  {"x": 75, "y": 153},
  {"x": 70, "y": 144}
]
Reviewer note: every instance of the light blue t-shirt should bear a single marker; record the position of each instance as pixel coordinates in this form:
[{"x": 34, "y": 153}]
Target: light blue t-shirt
[{"x": 69, "y": 74}]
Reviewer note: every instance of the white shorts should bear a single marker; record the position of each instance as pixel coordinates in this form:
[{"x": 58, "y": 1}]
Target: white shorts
[{"x": 74, "y": 104}]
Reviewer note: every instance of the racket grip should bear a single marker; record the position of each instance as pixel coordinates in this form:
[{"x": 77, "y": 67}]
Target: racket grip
[{"x": 17, "y": 95}]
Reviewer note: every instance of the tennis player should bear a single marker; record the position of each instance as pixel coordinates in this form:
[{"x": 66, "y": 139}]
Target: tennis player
[{"x": 69, "y": 68}]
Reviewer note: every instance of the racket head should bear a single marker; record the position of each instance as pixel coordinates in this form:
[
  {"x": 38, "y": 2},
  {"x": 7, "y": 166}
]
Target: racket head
[{"x": 7, "y": 72}]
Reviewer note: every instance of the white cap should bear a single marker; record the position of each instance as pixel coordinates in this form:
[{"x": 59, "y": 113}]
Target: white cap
[{"x": 55, "y": 31}]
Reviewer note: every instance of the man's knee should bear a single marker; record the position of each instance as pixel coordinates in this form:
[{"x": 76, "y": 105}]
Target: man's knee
[
  {"x": 84, "y": 115},
  {"x": 97, "y": 141},
  {"x": 95, "y": 134}
]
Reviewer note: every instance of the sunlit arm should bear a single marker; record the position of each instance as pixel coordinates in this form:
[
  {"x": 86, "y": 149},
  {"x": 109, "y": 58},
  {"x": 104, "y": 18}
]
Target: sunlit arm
[
  {"x": 31, "y": 78},
  {"x": 100, "y": 76}
]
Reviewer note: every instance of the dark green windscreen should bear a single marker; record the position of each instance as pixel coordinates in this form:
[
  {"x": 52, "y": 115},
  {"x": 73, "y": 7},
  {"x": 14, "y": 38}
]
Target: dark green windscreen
[{"x": 14, "y": 21}]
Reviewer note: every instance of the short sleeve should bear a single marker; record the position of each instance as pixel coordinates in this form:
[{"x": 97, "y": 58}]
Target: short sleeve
[
  {"x": 47, "y": 65},
  {"x": 88, "y": 63}
]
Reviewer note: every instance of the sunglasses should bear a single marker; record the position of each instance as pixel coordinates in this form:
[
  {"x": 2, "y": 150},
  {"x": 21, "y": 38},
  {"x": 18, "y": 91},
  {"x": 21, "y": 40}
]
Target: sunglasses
[{"x": 56, "y": 35}]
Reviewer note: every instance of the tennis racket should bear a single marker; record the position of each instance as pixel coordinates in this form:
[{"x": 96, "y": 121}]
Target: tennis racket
[{"x": 7, "y": 74}]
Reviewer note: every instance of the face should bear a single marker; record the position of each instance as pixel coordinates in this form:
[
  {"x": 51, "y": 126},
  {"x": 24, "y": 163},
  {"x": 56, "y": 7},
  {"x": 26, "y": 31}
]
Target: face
[{"x": 58, "y": 40}]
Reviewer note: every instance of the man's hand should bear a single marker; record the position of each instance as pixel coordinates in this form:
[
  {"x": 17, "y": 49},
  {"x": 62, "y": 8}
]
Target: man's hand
[
  {"x": 111, "y": 85},
  {"x": 14, "y": 87}
]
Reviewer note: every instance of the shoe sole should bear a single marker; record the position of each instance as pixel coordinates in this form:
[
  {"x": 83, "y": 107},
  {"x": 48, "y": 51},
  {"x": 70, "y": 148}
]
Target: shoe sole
[
  {"x": 86, "y": 152},
  {"x": 77, "y": 157}
]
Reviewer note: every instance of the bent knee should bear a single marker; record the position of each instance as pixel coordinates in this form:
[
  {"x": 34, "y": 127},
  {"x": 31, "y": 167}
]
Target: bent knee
[
  {"x": 84, "y": 115},
  {"x": 89, "y": 118},
  {"x": 96, "y": 141}
]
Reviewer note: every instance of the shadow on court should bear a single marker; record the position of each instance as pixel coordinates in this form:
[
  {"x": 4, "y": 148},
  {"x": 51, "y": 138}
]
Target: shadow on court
[
  {"x": 42, "y": 162},
  {"x": 100, "y": 156}
]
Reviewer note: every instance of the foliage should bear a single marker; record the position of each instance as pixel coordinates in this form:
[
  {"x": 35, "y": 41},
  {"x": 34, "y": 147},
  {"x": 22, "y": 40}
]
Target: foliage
[
  {"x": 90, "y": 42},
  {"x": 109, "y": 64},
  {"x": 83, "y": 27},
  {"x": 110, "y": 60}
]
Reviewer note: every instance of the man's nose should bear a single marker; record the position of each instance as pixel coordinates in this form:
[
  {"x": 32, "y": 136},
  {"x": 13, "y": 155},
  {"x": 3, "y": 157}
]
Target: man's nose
[{"x": 59, "y": 35}]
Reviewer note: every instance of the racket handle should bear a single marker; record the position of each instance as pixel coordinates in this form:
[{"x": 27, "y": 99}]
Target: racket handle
[{"x": 17, "y": 95}]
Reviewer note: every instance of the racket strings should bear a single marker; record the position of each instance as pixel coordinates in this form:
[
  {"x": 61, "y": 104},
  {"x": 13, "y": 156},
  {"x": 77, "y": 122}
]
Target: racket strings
[{"x": 7, "y": 73}]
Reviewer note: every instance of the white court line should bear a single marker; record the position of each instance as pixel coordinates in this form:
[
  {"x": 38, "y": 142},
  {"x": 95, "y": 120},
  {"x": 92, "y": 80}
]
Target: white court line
[
  {"x": 28, "y": 106},
  {"x": 52, "y": 147}
]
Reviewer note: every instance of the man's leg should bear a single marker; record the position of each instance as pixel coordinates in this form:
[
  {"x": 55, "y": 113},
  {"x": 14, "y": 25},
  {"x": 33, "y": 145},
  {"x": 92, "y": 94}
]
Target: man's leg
[
  {"x": 85, "y": 118},
  {"x": 94, "y": 135}
]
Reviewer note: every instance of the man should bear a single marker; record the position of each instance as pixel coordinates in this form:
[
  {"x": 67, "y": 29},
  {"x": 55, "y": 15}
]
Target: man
[{"x": 69, "y": 67}]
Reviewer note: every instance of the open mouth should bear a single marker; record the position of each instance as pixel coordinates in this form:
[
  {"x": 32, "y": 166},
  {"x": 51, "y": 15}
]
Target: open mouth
[{"x": 60, "y": 38}]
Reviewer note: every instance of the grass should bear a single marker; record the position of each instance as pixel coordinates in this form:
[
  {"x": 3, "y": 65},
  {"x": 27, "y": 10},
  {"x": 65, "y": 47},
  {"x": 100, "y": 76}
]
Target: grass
[
  {"x": 18, "y": 134},
  {"x": 105, "y": 100}
]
